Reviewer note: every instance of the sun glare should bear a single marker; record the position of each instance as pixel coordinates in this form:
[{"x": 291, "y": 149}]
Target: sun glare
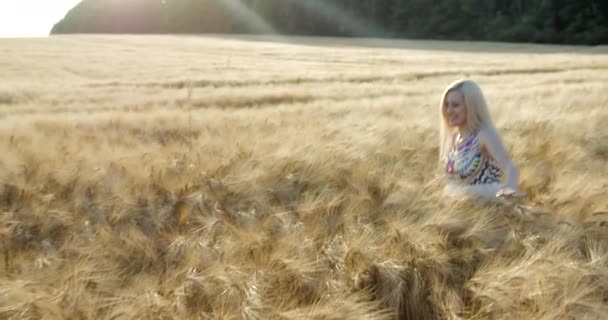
[
  {"x": 31, "y": 18},
  {"x": 256, "y": 22},
  {"x": 355, "y": 25},
  {"x": 35, "y": 18}
]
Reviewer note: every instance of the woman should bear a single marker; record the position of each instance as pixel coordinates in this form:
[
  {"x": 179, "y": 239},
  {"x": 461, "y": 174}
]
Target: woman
[{"x": 471, "y": 151}]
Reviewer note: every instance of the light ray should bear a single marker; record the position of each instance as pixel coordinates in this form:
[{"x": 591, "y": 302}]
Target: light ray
[
  {"x": 253, "y": 20},
  {"x": 358, "y": 26}
]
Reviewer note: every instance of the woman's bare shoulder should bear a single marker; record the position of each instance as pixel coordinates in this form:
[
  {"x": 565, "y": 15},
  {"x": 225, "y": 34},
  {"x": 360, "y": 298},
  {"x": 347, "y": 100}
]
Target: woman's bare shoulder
[{"x": 488, "y": 135}]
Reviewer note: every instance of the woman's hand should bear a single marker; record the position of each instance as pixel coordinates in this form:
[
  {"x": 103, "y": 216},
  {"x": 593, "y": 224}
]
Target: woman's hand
[{"x": 508, "y": 192}]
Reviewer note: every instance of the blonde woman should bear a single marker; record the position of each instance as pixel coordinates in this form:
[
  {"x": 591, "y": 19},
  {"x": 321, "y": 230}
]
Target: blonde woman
[{"x": 471, "y": 151}]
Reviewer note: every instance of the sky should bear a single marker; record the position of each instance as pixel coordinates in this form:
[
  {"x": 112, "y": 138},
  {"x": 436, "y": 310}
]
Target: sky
[{"x": 31, "y": 18}]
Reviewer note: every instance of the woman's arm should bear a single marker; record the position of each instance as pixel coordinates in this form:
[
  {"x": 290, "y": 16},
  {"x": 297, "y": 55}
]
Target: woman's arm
[{"x": 490, "y": 141}]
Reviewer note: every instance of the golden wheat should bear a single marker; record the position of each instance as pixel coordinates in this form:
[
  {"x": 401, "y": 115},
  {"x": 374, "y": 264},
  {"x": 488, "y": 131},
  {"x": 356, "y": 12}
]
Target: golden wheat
[{"x": 184, "y": 177}]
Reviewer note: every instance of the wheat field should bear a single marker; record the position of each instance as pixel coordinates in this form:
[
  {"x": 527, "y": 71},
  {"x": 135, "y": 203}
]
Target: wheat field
[{"x": 243, "y": 177}]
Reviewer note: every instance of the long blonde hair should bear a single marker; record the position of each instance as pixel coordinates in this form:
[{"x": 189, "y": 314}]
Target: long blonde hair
[{"x": 478, "y": 115}]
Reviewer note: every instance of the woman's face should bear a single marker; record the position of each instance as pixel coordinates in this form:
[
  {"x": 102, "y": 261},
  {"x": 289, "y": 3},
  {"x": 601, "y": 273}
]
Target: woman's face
[{"x": 455, "y": 110}]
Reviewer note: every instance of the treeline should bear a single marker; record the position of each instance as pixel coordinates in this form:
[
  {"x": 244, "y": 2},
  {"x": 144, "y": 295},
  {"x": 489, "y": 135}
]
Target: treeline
[{"x": 540, "y": 21}]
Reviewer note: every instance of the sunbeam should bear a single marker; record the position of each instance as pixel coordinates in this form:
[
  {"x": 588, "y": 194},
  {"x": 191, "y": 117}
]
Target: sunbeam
[
  {"x": 357, "y": 26},
  {"x": 252, "y": 19}
]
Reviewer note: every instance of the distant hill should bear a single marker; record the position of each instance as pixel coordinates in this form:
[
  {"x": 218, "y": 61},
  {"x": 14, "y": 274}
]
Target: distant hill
[
  {"x": 541, "y": 21},
  {"x": 144, "y": 16}
]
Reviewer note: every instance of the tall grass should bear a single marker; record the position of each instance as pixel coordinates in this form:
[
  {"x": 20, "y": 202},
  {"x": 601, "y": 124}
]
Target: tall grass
[{"x": 244, "y": 178}]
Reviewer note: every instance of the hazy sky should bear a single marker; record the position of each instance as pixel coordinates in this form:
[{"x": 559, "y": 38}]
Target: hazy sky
[{"x": 31, "y": 18}]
